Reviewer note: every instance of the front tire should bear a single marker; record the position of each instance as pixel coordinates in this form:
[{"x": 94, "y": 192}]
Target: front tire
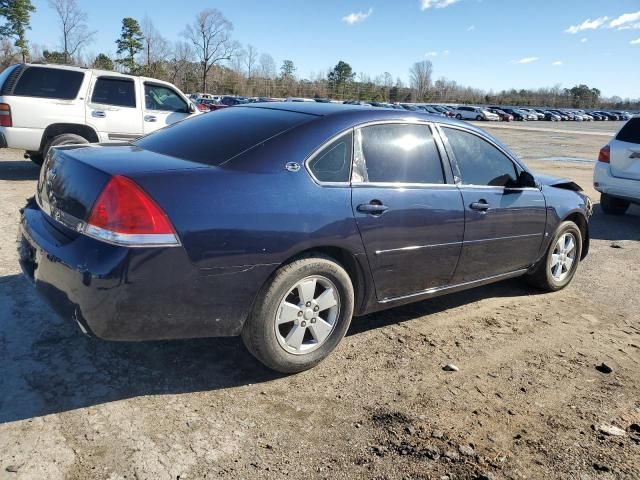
[
  {"x": 459, "y": 117},
  {"x": 612, "y": 205},
  {"x": 478, "y": 117},
  {"x": 301, "y": 315},
  {"x": 557, "y": 268}
]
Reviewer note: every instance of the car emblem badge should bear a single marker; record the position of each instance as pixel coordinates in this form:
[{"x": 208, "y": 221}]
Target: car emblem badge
[{"x": 292, "y": 166}]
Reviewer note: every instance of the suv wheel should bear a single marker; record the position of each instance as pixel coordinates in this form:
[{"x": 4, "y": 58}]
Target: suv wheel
[
  {"x": 612, "y": 205},
  {"x": 301, "y": 315},
  {"x": 64, "y": 139},
  {"x": 557, "y": 268},
  {"x": 459, "y": 117},
  {"x": 478, "y": 117}
]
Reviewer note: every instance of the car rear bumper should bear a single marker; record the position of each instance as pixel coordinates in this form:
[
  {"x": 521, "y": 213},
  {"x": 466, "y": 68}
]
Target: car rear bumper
[
  {"x": 604, "y": 182},
  {"x": 128, "y": 294},
  {"x": 21, "y": 138}
]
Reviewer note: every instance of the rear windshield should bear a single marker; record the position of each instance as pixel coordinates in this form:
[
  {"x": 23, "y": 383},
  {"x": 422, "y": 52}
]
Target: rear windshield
[
  {"x": 630, "y": 132},
  {"x": 49, "y": 83},
  {"x": 215, "y": 137}
]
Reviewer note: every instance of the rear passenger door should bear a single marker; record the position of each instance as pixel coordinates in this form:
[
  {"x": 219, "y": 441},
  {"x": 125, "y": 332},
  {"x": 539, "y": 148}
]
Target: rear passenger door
[
  {"x": 113, "y": 109},
  {"x": 409, "y": 212},
  {"x": 625, "y": 151},
  {"x": 504, "y": 221}
]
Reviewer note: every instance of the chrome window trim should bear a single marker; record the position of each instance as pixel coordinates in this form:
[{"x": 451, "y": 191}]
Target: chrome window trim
[{"x": 407, "y": 121}]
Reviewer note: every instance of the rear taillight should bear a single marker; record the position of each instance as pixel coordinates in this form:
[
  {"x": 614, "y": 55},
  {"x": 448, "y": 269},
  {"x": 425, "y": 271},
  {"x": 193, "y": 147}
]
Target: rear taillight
[
  {"x": 605, "y": 154},
  {"x": 125, "y": 214},
  {"x": 5, "y": 115}
]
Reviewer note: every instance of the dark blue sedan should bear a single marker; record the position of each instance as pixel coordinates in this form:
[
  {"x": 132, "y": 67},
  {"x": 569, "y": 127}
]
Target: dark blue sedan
[{"x": 280, "y": 221}]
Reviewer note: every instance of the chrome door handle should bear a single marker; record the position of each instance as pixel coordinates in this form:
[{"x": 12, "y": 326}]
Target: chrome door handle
[
  {"x": 150, "y": 118},
  {"x": 98, "y": 114},
  {"x": 481, "y": 205}
]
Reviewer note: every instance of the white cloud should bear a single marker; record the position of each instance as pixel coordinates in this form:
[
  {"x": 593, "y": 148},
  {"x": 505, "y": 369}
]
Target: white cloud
[
  {"x": 445, "y": 53},
  {"x": 557, "y": 63},
  {"x": 584, "y": 40},
  {"x": 588, "y": 24},
  {"x": 633, "y": 26},
  {"x": 624, "y": 19},
  {"x": 431, "y": 54},
  {"x": 427, "y": 4},
  {"x": 471, "y": 28},
  {"x": 526, "y": 60},
  {"x": 356, "y": 17},
  {"x": 635, "y": 42}
]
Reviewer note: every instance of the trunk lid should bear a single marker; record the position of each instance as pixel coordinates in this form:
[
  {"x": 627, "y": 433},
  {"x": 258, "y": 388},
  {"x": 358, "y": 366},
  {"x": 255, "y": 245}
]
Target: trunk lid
[
  {"x": 73, "y": 177},
  {"x": 625, "y": 151}
]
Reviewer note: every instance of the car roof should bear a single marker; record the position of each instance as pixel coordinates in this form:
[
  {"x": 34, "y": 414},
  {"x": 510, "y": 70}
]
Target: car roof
[{"x": 359, "y": 113}]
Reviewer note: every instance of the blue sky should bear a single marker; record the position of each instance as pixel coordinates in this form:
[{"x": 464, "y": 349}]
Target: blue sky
[{"x": 489, "y": 44}]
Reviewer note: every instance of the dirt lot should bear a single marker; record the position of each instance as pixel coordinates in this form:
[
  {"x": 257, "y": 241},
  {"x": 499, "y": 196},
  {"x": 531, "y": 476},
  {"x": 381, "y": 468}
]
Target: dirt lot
[{"x": 527, "y": 401}]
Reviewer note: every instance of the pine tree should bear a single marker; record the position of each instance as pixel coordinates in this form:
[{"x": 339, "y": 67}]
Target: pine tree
[
  {"x": 18, "y": 17},
  {"x": 130, "y": 43}
]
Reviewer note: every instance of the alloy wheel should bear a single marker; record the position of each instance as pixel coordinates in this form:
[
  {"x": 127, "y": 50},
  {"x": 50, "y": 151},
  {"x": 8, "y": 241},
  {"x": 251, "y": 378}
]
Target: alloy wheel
[{"x": 563, "y": 257}]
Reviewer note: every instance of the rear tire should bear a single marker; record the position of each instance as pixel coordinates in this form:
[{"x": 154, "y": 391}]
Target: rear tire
[
  {"x": 459, "y": 117},
  {"x": 64, "y": 139},
  {"x": 478, "y": 117},
  {"x": 612, "y": 205},
  {"x": 284, "y": 306},
  {"x": 550, "y": 273}
]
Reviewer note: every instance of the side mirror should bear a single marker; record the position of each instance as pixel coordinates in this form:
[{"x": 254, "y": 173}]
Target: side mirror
[
  {"x": 525, "y": 179},
  {"x": 191, "y": 108}
]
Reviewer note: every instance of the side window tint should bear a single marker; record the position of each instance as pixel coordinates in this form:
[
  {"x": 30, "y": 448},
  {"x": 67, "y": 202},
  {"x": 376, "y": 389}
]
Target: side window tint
[
  {"x": 157, "y": 97},
  {"x": 49, "y": 83},
  {"x": 113, "y": 91},
  {"x": 333, "y": 162},
  {"x": 480, "y": 162},
  {"x": 397, "y": 153}
]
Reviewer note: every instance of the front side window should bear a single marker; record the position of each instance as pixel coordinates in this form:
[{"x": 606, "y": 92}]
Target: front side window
[
  {"x": 480, "y": 163},
  {"x": 397, "y": 153},
  {"x": 49, "y": 83},
  {"x": 158, "y": 97},
  {"x": 114, "y": 91},
  {"x": 333, "y": 162}
]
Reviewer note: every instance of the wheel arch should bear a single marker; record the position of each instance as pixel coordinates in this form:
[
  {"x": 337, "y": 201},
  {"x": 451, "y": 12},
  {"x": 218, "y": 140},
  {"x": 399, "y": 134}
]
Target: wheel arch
[
  {"x": 579, "y": 219},
  {"x": 56, "y": 129},
  {"x": 347, "y": 260}
]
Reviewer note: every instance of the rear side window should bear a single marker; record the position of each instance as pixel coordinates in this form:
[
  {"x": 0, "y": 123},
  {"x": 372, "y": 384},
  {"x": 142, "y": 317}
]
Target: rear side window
[
  {"x": 213, "y": 138},
  {"x": 397, "y": 153},
  {"x": 333, "y": 162},
  {"x": 630, "y": 133},
  {"x": 49, "y": 83},
  {"x": 480, "y": 162},
  {"x": 114, "y": 91}
]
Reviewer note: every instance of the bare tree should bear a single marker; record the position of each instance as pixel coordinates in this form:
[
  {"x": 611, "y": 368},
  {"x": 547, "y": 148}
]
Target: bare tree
[
  {"x": 267, "y": 66},
  {"x": 250, "y": 59},
  {"x": 420, "y": 76},
  {"x": 73, "y": 27},
  {"x": 180, "y": 63},
  {"x": 210, "y": 34},
  {"x": 156, "y": 48}
]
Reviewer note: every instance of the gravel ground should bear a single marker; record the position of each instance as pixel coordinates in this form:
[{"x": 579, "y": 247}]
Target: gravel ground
[{"x": 527, "y": 401}]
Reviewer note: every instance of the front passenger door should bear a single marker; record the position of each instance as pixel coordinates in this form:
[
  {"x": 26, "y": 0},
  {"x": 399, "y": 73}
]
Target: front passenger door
[
  {"x": 504, "y": 221},
  {"x": 162, "y": 106}
]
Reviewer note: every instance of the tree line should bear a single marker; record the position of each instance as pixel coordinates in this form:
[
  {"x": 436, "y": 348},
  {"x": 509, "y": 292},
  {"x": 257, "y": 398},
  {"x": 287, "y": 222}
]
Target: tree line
[{"x": 206, "y": 58}]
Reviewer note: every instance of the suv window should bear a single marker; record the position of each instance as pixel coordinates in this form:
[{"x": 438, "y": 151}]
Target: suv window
[
  {"x": 630, "y": 132},
  {"x": 114, "y": 91},
  {"x": 49, "y": 83},
  {"x": 158, "y": 97},
  {"x": 480, "y": 163},
  {"x": 333, "y": 162},
  {"x": 398, "y": 153}
]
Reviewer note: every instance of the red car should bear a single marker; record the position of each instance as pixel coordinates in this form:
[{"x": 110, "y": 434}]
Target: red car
[{"x": 504, "y": 116}]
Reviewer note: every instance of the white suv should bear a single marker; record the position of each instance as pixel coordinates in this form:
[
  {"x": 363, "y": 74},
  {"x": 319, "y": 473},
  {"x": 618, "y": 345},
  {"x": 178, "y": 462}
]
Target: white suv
[
  {"x": 42, "y": 106},
  {"x": 617, "y": 172},
  {"x": 475, "y": 113}
]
